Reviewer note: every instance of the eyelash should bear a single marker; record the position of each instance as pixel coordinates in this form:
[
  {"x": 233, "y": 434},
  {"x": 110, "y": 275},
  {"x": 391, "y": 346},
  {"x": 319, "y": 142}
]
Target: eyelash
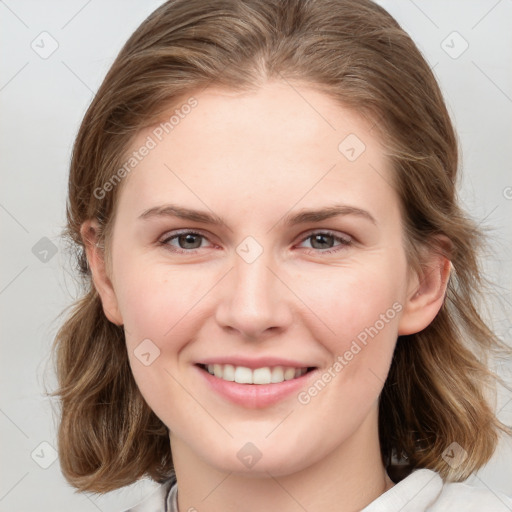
[{"x": 344, "y": 241}]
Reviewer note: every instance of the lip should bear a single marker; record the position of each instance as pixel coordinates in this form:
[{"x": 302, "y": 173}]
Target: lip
[
  {"x": 257, "y": 362},
  {"x": 254, "y": 396}
]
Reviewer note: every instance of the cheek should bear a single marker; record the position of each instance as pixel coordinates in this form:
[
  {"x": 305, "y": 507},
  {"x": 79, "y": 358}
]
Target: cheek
[
  {"x": 155, "y": 302},
  {"x": 352, "y": 300},
  {"x": 156, "y": 309},
  {"x": 361, "y": 312},
  {"x": 357, "y": 313}
]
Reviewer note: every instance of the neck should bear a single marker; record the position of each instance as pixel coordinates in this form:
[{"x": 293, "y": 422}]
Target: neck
[{"x": 347, "y": 480}]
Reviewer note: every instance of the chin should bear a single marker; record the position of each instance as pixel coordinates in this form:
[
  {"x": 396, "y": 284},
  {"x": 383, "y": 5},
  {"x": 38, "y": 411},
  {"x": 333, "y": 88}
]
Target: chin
[{"x": 249, "y": 460}]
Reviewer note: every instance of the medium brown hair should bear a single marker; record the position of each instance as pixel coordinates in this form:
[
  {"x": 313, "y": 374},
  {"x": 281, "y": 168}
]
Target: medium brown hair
[{"x": 355, "y": 52}]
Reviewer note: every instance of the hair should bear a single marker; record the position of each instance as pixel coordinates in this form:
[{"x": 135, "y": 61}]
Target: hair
[{"x": 355, "y": 52}]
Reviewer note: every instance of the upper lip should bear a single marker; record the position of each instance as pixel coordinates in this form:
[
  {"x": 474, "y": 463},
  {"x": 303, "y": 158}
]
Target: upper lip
[{"x": 258, "y": 362}]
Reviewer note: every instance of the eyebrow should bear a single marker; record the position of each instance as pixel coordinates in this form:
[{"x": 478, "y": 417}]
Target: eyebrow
[{"x": 290, "y": 219}]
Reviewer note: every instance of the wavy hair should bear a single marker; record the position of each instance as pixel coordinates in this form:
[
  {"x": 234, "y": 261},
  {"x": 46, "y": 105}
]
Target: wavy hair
[{"x": 438, "y": 386}]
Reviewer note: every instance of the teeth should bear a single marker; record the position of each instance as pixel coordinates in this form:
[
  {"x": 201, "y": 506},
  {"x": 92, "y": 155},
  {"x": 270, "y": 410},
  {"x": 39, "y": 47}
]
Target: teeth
[
  {"x": 289, "y": 373},
  {"x": 217, "y": 370},
  {"x": 265, "y": 375},
  {"x": 262, "y": 376},
  {"x": 242, "y": 375},
  {"x": 229, "y": 372},
  {"x": 277, "y": 374}
]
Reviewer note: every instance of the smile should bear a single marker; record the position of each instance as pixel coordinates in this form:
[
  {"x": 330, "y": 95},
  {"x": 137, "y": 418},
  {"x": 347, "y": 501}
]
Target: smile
[
  {"x": 263, "y": 375},
  {"x": 257, "y": 387}
]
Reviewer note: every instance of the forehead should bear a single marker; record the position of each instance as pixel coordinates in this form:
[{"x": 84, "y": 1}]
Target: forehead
[{"x": 281, "y": 143}]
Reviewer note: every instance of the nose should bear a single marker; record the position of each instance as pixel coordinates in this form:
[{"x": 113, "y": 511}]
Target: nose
[{"x": 255, "y": 302}]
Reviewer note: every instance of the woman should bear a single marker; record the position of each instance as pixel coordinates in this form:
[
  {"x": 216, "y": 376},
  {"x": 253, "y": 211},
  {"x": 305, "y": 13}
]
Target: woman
[{"x": 318, "y": 343}]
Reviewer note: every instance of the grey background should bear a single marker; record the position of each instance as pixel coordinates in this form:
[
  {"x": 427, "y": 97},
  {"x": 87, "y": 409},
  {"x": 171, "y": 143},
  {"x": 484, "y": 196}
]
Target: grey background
[{"x": 42, "y": 101}]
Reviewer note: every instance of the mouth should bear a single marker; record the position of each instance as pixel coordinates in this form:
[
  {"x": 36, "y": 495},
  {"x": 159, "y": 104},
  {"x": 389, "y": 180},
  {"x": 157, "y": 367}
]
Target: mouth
[{"x": 256, "y": 376}]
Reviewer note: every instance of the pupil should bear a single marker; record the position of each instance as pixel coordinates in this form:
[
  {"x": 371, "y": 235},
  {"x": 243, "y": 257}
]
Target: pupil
[
  {"x": 321, "y": 238},
  {"x": 188, "y": 239}
]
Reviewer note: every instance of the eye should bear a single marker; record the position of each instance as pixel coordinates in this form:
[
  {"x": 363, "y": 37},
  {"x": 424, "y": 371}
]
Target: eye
[
  {"x": 322, "y": 241},
  {"x": 188, "y": 242}
]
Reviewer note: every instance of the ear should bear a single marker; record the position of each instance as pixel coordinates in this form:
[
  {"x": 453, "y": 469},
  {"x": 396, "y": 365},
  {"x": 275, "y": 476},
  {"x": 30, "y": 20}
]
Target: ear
[
  {"x": 426, "y": 290},
  {"x": 90, "y": 230}
]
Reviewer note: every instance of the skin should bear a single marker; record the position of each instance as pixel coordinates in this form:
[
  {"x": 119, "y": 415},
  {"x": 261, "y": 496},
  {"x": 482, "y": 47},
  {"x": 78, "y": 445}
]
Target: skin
[{"x": 251, "y": 158}]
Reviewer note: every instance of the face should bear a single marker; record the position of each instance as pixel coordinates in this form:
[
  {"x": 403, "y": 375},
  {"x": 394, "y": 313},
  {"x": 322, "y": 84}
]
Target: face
[{"x": 268, "y": 284}]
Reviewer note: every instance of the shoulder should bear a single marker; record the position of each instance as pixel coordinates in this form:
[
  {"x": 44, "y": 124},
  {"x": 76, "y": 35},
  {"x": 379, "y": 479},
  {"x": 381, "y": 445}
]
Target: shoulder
[
  {"x": 424, "y": 491},
  {"x": 421, "y": 491},
  {"x": 474, "y": 499},
  {"x": 157, "y": 500}
]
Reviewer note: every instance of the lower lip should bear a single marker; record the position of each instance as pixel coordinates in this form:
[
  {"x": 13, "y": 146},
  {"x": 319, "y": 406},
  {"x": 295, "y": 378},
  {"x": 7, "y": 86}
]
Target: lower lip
[{"x": 255, "y": 396}]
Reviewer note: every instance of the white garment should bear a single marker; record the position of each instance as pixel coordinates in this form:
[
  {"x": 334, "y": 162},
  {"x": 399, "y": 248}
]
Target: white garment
[{"x": 422, "y": 491}]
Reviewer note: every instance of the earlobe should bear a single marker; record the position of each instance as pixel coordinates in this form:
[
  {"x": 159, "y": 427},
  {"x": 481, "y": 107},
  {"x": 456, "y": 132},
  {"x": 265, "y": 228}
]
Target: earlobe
[
  {"x": 426, "y": 296},
  {"x": 96, "y": 259}
]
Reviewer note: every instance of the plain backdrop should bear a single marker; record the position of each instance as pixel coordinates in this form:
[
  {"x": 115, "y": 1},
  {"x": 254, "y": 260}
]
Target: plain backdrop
[{"x": 54, "y": 55}]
